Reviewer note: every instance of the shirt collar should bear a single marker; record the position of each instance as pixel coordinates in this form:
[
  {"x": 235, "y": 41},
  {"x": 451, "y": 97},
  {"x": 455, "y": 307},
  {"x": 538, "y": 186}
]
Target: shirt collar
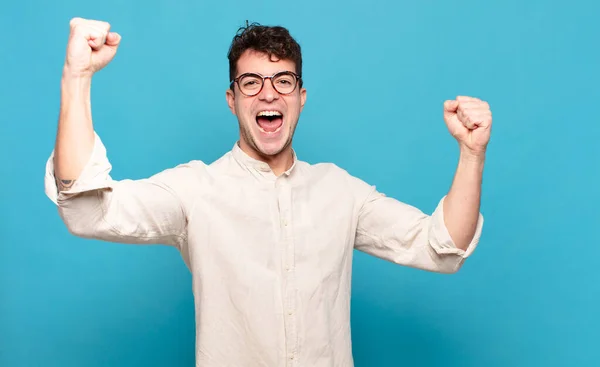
[{"x": 244, "y": 159}]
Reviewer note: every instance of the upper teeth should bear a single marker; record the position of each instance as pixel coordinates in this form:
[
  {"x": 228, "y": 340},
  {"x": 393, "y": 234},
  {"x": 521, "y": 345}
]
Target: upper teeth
[{"x": 269, "y": 113}]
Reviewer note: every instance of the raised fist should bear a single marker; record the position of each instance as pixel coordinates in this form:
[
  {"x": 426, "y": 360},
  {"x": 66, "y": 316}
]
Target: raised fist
[
  {"x": 469, "y": 120},
  {"x": 91, "y": 46}
]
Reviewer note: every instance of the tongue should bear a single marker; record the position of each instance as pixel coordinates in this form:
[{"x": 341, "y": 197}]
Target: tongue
[{"x": 269, "y": 125}]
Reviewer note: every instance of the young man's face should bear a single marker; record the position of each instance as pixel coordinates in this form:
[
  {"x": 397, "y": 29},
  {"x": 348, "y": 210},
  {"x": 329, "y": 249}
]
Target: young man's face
[{"x": 267, "y": 120}]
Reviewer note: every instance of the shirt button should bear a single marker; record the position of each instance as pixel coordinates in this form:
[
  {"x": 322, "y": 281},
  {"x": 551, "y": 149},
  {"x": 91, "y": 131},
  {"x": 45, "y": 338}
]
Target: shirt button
[{"x": 285, "y": 222}]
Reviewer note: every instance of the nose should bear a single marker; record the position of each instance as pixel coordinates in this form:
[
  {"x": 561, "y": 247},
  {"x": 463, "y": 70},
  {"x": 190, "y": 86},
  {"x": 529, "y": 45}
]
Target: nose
[{"x": 268, "y": 93}]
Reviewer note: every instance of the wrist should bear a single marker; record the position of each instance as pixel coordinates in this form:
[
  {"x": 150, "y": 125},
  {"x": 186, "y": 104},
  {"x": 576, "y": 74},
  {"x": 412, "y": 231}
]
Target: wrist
[
  {"x": 469, "y": 155},
  {"x": 71, "y": 76},
  {"x": 75, "y": 84}
]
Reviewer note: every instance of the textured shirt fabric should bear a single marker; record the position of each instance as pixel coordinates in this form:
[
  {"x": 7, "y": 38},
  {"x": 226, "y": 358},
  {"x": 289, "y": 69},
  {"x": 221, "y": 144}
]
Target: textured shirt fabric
[{"x": 270, "y": 257}]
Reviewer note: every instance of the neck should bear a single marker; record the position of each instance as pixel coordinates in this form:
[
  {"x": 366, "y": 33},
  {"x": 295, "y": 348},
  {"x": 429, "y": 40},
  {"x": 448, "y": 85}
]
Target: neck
[{"x": 279, "y": 162}]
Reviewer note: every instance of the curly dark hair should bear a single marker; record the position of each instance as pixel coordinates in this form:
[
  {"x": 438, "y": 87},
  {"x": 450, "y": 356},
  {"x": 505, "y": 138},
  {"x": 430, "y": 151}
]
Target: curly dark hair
[{"x": 275, "y": 41}]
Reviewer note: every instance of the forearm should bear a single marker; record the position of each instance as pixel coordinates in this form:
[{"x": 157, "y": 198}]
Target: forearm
[
  {"x": 462, "y": 204},
  {"x": 75, "y": 135}
]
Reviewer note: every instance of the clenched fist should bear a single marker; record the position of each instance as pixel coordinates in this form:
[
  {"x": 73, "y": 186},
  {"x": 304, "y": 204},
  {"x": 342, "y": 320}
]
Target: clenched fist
[
  {"x": 469, "y": 120},
  {"x": 91, "y": 46}
]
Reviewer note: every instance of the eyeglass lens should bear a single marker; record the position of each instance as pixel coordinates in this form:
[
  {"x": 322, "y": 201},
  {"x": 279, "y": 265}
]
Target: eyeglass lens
[{"x": 283, "y": 83}]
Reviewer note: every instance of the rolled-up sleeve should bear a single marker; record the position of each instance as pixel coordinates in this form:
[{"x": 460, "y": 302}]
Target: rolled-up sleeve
[
  {"x": 145, "y": 211},
  {"x": 403, "y": 234},
  {"x": 94, "y": 176}
]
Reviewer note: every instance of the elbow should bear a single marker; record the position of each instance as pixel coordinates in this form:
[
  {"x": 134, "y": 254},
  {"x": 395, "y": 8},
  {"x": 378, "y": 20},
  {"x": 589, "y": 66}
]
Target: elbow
[
  {"x": 446, "y": 260},
  {"x": 451, "y": 266},
  {"x": 76, "y": 224},
  {"x": 455, "y": 268},
  {"x": 81, "y": 214}
]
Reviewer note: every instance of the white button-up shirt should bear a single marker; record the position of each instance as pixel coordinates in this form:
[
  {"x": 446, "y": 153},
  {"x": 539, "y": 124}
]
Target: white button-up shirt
[{"x": 270, "y": 257}]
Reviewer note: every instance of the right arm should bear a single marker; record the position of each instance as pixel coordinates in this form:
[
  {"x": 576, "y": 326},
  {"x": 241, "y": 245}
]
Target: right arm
[
  {"x": 91, "y": 47},
  {"x": 75, "y": 135},
  {"x": 90, "y": 202}
]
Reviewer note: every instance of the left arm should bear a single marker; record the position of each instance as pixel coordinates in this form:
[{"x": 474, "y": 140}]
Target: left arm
[
  {"x": 462, "y": 204},
  {"x": 469, "y": 120},
  {"x": 440, "y": 242}
]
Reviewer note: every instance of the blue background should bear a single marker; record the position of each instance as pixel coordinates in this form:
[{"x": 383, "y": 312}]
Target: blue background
[{"x": 377, "y": 75}]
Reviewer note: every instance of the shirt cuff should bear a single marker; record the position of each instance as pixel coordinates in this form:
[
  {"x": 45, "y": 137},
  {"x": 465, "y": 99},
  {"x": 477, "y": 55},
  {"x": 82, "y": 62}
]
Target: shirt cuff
[
  {"x": 95, "y": 174},
  {"x": 442, "y": 242}
]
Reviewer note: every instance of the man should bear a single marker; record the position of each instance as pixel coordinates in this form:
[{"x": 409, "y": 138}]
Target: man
[{"x": 267, "y": 237}]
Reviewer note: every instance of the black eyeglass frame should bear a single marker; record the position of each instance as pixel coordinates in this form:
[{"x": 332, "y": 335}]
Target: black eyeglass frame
[{"x": 264, "y": 78}]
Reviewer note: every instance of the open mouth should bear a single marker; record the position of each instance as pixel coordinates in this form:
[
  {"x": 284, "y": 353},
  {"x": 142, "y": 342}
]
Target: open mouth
[{"x": 269, "y": 122}]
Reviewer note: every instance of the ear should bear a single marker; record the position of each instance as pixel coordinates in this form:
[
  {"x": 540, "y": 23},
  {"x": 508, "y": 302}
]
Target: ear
[
  {"x": 230, "y": 96},
  {"x": 302, "y": 98}
]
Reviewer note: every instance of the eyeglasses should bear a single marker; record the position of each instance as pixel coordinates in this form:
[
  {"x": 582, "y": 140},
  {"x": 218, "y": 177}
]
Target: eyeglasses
[{"x": 284, "y": 82}]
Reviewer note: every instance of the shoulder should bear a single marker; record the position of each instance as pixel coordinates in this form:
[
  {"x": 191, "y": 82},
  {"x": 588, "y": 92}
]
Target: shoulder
[
  {"x": 199, "y": 173},
  {"x": 323, "y": 169},
  {"x": 183, "y": 170},
  {"x": 334, "y": 175},
  {"x": 182, "y": 178}
]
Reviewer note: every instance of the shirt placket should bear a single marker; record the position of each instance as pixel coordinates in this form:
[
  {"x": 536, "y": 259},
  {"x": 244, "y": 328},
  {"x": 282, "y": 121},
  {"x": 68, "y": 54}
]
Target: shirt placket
[{"x": 289, "y": 273}]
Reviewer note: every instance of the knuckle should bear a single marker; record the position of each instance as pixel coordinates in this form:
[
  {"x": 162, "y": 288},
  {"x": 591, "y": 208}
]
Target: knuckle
[
  {"x": 74, "y": 22},
  {"x": 78, "y": 29},
  {"x": 101, "y": 25}
]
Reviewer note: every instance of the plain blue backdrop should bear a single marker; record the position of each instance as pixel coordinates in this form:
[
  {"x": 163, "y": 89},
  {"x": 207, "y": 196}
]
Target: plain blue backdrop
[{"x": 377, "y": 74}]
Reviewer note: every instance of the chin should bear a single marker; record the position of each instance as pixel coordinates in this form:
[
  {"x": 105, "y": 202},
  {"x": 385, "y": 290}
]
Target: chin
[{"x": 270, "y": 148}]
